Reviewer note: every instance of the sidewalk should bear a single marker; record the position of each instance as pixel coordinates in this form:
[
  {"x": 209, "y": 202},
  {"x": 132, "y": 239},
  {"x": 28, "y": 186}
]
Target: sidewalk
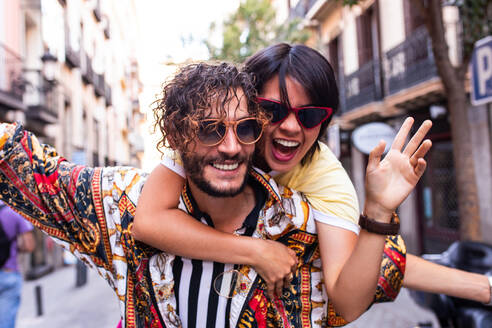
[
  {"x": 64, "y": 305},
  {"x": 403, "y": 313},
  {"x": 95, "y": 305}
]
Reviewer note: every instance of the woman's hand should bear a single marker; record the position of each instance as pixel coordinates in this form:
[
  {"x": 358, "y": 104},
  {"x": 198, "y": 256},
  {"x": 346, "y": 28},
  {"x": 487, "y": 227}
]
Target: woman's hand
[
  {"x": 390, "y": 181},
  {"x": 275, "y": 263}
]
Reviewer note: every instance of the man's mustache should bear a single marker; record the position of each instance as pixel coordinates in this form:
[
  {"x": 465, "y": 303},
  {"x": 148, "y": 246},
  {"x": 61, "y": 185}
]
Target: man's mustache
[{"x": 224, "y": 158}]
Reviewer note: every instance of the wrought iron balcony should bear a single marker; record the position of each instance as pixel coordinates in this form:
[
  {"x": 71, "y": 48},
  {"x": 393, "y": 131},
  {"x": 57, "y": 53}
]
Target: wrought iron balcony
[
  {"x": 409, "y": 63},
  {"x": 72, "y": 57},
  {"x": 86, "y": 70},
  {"x": 41, "y": 97},
  {"x": 97, "y": 12},
  {"x": 108, "y": 95},
  {"x": 11, "y": 81},
  {"x": 99, "y": 85},
  {"x": 362, "y": 87},
  {"x": 107, "y": 33}
]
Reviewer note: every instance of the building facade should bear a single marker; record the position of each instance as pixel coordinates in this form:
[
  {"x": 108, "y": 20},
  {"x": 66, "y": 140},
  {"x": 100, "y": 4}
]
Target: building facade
[
  {"x": 382, "y": 56},
  {"x": 68, "y": 72}
]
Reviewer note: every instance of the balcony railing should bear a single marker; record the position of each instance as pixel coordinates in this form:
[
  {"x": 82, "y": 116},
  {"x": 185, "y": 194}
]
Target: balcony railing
[
  {"x": 86, "y": 69},
  {"x": 99, "y": 85},
  {"x": 302, "y": 8},
  {"x": 72, "y": 57},
  {"x": 107, "y": 31},
  {"x": 361, "y": 87},
  {"x": 97, "y": 12},
  {"x": 41, "y": 97},
  {"x": 108, "y": 95},
  {"x": 11, "y": 82},
  {"x": 409, "y": 63}
]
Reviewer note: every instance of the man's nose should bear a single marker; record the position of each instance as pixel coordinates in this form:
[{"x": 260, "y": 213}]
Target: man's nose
[
  {"x": 290, "y": 124},
  {"x": 230, "y": 145}
]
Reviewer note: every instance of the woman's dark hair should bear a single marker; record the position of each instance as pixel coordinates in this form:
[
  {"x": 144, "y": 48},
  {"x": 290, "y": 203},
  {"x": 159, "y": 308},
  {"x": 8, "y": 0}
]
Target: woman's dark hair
[{"x": 307, "y": 66}]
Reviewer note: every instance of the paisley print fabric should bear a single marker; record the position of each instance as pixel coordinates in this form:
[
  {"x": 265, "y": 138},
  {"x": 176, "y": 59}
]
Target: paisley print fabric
[{"x": 89, "y": 211}]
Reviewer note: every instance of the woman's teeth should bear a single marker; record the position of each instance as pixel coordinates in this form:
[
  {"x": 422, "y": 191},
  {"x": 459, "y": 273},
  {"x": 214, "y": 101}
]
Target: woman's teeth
[
  {"x": 287, "y": 143},
  {"x": 226, "y": 167}
]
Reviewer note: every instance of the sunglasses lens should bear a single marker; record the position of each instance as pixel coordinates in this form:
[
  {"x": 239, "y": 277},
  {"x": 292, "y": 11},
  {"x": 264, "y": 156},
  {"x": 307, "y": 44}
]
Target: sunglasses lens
[
  {"x": 278, "y": 111},
  {"x": 311, "y": 117},
  {"x": 248, "y": 131},
  {"x": 211, "y": 132}
]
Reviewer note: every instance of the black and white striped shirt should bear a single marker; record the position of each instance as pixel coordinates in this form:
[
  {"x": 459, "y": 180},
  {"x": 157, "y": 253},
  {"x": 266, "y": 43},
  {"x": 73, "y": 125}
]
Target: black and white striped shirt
[{"x": 198, "y": 304}]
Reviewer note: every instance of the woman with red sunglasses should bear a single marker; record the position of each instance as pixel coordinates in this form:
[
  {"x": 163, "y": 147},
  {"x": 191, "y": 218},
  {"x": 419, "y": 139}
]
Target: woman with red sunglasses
[{"x": 296, "y": 86}]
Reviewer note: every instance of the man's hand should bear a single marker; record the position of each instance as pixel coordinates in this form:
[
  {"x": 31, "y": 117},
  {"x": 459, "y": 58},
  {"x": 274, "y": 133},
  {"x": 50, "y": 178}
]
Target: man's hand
[
  {"x": 390, "y": 181},
  {"x": 275, "y": 263}
]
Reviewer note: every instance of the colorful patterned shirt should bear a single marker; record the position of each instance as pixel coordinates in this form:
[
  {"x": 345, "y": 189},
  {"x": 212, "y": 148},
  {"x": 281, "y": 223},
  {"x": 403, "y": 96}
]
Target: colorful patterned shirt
[{"x": 89, "y": 211}]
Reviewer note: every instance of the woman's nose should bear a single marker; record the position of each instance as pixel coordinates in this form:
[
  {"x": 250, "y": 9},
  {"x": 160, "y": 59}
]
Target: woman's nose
[{"x": 290, "y": 124}]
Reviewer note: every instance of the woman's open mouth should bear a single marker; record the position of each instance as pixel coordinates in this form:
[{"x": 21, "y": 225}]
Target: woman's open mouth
[{"x": 284, "y": 150}]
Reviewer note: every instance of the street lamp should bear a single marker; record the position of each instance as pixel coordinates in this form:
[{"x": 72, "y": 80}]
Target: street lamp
[{"x": 49, "y": 66}]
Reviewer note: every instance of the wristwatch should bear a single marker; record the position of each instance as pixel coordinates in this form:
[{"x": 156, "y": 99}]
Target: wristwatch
[{"x": 371, "y": 225}]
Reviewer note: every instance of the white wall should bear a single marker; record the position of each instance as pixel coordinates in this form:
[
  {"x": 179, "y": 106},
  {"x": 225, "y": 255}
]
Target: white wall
[
  {"x": 452, "y": 25},
  {"x": 349, "y": 42},
  {"x": 392, "y": 23}
]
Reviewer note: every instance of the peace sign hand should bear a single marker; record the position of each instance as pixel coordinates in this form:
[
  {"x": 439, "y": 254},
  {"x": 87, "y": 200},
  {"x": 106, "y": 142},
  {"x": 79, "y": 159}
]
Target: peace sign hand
[{"x": 390, "y": 181}]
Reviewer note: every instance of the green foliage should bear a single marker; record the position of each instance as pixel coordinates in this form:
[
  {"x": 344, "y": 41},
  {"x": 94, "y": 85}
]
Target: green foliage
[
  {"x": 350, "y": 2},
  {"x": 477, "y": 22},
  {"x": 252, "y": 27}
]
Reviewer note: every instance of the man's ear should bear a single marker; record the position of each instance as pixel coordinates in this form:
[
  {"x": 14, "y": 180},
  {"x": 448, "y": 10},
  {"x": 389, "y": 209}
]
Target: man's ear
[{"x": 171, "y": 143}]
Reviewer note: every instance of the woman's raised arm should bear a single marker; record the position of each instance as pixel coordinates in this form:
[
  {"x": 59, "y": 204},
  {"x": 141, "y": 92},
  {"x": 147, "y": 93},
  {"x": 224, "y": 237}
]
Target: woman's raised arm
[{"x": 351, "y": 276}]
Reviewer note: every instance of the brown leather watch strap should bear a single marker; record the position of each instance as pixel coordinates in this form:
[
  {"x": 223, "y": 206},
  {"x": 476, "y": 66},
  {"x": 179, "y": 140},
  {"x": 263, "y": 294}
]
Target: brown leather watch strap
[{"x": 392, "y": 228}]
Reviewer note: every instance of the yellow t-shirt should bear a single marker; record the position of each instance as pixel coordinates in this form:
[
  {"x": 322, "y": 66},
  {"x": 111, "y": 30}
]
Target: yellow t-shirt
[
  {"x": 323, "y": 181},
  {"x": 327, "y": 186}
]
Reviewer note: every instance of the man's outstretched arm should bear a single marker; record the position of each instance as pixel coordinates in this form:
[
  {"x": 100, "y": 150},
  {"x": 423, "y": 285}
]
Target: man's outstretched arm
[{"x": 53, "y": 194}]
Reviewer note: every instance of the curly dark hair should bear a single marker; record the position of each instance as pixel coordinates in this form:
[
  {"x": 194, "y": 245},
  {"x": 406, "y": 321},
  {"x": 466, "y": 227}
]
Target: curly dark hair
[{"x": 193, "y": 93}]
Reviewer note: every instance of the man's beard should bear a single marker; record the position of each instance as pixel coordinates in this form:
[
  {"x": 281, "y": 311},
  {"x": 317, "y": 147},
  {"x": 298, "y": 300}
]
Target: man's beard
[{"x": 194, "y": 166}]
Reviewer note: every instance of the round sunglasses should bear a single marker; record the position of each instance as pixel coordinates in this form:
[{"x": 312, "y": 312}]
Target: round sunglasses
[
  {"x": 308, "y": 117},
  {"x": 212, "y": 132}
]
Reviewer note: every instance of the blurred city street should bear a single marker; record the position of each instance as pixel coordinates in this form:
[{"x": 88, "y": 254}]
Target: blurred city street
[
  {"x": 64, "y": 305},
  {"x": 94, "y": 305},
  {"x": 403, "y": 313}
]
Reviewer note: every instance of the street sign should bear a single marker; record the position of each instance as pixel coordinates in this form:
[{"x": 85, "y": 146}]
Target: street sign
[
  {"x": 367, "y": 136},
  {"x": 481, "y": 72}
]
